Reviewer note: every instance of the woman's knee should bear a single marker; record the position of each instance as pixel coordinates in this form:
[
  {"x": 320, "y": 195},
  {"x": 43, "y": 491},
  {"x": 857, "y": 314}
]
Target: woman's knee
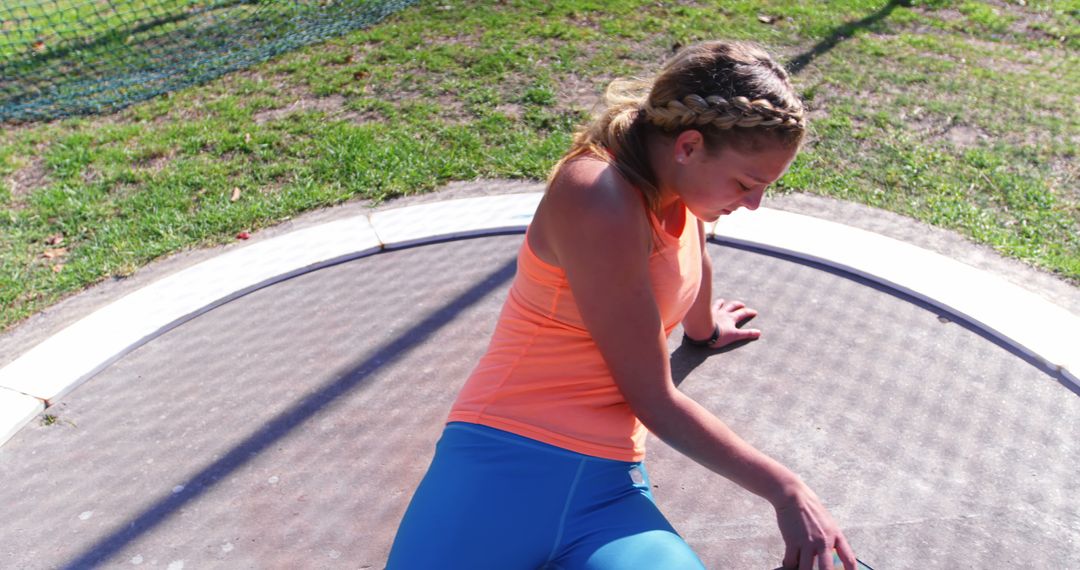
[{"x": 650, "y": 549}]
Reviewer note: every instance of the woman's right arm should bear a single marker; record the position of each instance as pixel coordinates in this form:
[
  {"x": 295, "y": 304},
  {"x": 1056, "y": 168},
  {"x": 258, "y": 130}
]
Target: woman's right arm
[{"x": 594, "y": 225}]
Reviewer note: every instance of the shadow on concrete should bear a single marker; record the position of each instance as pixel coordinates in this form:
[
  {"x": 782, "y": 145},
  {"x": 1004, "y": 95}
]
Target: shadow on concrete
[
  {"x": 289, "y": 420},
  {"x": 686, "y": 358},
  {"x": 840, "y": 34}
]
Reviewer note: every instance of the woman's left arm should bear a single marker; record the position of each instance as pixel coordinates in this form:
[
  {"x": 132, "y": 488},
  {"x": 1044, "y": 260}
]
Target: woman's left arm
[{"x": 705, "y": 316}]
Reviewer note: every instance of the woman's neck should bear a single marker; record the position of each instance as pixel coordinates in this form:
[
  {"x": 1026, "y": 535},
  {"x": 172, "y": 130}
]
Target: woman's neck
[{"x": 659, "y": 151}]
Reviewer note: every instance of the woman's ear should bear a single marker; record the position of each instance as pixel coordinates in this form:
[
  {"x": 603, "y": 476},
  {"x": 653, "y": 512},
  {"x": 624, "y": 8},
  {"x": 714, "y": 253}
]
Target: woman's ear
[{"x": 689, "y": 145}]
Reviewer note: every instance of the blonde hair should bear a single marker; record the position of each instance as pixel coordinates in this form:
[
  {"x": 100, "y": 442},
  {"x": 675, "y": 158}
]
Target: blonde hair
[{"x": 733, "y": 93}]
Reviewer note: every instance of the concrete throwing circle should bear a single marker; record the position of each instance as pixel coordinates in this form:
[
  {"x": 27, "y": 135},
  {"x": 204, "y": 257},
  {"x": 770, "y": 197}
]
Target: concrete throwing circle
[{"x": 289, "y": 427}]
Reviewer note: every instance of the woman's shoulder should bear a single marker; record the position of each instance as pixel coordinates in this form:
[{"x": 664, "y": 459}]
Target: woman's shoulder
[
  {"x": 589, "y": 187},
  {"x": 588, "y": 204}
]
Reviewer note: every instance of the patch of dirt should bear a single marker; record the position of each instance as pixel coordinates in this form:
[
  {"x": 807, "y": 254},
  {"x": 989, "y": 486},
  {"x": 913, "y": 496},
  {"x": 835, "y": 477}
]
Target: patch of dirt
[
  {"x": 996, "y": 56},
  {"x": 1025, "y": 20},
  {"x": 180, "y": 113},
  {"x": 579, "y": 93},
  {"x": 1064, "y": 179},
  {"x": 124, "y": 190},
  {"x": 27, "y": 179},
  {"x": 965, "y": 136},
  {"x": 949, "y": 15},
  {"x": 451, "y": 109},
  {"x": 362, "y": 118},
  {"x": 512, "y": 110},
  {"x": 927, "y": 126},
  {"x": 330, "y": 105},
  {"x": 195, "y": 101},
  {"x": 1006, "y": 57},
  {"x": 816, "y": 114},
  {"x": 91, "y": 174},
  {"x": 335, "y": 105},
  {"x": 588, "y": 20},
  {"x": 154, "y": 163},
  {"x": 974, "y": 125},
  {"x": 273, "y": 187}
]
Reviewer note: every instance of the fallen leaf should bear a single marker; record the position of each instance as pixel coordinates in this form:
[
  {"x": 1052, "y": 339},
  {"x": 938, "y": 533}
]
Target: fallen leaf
[
  {"x": 39, "y": 46},
  {"x": 766, "y": 19},
  {"x": 235, "y": 195},
  {"x": 243, "y": 235},
  {"x": 58, "y": 268},
  {"x": 54, "y": 253},
  {"x": 55, "y": 239},
  {"x": 247, "y": 137}
]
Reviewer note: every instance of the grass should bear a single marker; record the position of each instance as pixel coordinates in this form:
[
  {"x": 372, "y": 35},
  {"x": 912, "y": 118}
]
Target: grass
[{"x": 961, "y": 114}]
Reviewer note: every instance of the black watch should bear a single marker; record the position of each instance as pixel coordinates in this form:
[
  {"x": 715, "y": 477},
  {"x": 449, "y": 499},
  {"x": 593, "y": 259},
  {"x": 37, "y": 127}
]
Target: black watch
[{"x": 702, "y": 343}]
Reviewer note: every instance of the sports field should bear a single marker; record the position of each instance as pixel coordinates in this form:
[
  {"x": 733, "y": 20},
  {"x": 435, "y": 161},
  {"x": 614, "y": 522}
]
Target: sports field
[{"x": 961, "y": 114}]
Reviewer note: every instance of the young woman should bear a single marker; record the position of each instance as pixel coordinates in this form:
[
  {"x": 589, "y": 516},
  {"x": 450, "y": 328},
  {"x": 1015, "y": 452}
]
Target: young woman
[{"x": 540, "y": 464}]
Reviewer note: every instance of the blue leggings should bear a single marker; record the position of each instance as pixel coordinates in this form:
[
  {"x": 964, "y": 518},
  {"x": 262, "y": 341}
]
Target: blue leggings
[{"x": 496, "y": 500}]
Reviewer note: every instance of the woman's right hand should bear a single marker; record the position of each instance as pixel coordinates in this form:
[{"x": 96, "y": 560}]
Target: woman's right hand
[{"x": 810, "y": 533}]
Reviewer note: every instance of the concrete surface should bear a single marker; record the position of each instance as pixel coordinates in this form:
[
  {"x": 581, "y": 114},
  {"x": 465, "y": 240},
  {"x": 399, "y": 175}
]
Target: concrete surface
[{"x": 287, "y": 428}]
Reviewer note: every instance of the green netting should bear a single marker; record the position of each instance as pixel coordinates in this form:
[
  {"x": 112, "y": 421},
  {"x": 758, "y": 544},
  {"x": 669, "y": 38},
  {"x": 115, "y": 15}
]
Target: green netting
[{"x": 69, "y": 57}]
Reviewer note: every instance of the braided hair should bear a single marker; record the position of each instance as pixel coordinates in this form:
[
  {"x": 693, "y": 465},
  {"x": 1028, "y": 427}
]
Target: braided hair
[{"x": 733, "y": 93}]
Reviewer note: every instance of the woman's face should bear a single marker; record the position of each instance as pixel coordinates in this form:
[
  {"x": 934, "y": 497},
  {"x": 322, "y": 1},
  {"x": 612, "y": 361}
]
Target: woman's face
[{"x": 714, "y": 186}]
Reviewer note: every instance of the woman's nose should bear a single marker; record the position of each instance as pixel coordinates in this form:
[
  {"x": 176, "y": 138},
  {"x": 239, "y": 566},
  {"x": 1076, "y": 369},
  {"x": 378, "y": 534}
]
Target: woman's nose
[{"x": 753, "y": 199}]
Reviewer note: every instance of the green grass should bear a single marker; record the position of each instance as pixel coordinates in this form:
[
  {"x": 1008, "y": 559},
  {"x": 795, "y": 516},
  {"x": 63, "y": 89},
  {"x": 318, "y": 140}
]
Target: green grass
[{"x": 961, "y": 114}]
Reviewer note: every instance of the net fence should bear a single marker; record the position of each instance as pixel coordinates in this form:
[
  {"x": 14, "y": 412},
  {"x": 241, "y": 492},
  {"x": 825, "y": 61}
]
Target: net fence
[{"x": 74, "y": 57}]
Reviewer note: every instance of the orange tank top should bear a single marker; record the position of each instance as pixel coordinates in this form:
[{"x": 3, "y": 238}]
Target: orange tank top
[{"x": 543, "y": 376}]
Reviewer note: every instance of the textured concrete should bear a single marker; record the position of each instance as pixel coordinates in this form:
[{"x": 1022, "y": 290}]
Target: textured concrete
[
  {"x": 288, "y": 427},
  {"x": 69, "y": 357},
  {"x": 972, "y": 295}
]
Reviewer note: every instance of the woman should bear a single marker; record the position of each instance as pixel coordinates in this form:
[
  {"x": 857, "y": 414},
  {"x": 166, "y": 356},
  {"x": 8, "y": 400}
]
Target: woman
[{"x": 540, "y": 464}]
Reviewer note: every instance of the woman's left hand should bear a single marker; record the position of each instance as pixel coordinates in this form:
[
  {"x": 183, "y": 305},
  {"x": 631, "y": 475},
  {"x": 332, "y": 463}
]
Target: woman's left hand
[{"x": 728, "y": 315}]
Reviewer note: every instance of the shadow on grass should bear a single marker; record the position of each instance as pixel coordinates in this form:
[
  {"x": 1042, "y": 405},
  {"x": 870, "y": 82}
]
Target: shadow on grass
[{"x": 841, "y": 33}]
